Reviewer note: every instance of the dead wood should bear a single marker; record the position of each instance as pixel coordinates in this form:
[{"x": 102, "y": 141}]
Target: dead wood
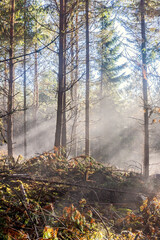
[{"x": 25, "y": 177}]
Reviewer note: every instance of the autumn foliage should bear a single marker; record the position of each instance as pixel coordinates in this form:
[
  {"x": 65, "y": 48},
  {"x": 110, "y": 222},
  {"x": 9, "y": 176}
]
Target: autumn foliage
[{"x": 40, "y": 206}]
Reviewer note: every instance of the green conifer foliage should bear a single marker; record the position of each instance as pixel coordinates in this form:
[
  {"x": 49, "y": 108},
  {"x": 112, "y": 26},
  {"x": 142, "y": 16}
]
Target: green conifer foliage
[{"x": 110, "y": 50}]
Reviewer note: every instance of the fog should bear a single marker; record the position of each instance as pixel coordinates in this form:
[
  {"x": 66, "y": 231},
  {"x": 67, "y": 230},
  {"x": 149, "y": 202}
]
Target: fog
[
  {"x": 116, "y": 135},
  {"x": 118, "y": 138}
]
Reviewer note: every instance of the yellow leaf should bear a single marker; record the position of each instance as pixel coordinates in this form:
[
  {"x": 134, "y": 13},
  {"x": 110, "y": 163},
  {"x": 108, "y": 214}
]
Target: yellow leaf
[
  {"x": 48, "y": 232},
  {"x": 82, "y": 201}
]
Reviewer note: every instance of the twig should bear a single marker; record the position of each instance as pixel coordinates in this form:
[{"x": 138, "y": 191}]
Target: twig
[
  {"x": 93, "y": 209},
  {"x": 54, "y": 217}
]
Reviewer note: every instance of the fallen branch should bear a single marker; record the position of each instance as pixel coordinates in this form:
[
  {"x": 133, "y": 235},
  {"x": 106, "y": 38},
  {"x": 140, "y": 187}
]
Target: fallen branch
[{"x": 26, "y": 177}]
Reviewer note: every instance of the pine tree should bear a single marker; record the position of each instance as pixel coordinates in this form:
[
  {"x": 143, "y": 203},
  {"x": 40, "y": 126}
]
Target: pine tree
[{"x": 110, "y": 51}]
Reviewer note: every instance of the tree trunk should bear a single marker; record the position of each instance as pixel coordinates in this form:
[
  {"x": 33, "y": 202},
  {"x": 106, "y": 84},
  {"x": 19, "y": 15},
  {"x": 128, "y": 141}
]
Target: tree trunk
[
  {"x": 60, "y": 75},
  {"x": 74, "y": 78},
  {"x": 72, "y": 83},
  {"x": 145, "y": 95},
  {"x": 72, "y": 60},
  {"x": 24, "y": 85},
  {"x": 101, "y": 137},
  {"x": 11, "y": 83},
  {"x": 102, "y": 67},
  {"x": 36, "y": 94},
  {"x": 5, "y": 86},
  {"x": 64, "y": 130},
  {"x": 75, "y": 89},
  {"x": 87, "y": 83},
  {"x": 101, "y": 84}
]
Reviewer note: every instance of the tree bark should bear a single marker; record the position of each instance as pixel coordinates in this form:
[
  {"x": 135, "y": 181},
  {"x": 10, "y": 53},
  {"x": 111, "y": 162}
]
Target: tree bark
[
  {"x": 11, "y": 83},
  {"x": 24, "y": 85},
  {"x": 74, "y": 79},
  {"x": 75, "y": 89},
  {"x": 64, "y": 129},
  {"x": 102, "y": 68},
  {"x": 72, "y": 59},
  {"x": 87, "y": 150},
  {"x": 36, "y": 93},
  {"x": 5, "y": 86},
  {"x": 145, "y": 94},
  {"x": 60, "y": 75}
]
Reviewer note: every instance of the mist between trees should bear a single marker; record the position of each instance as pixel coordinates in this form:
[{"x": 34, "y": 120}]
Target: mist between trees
[{"x": 81, "y": 77}]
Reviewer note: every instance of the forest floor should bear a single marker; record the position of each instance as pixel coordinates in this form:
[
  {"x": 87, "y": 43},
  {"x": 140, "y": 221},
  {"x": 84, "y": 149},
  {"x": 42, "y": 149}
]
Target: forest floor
[{"x": 51, "y": 197}]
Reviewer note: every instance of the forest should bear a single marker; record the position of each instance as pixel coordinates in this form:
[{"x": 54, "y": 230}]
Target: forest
[{"x": 79, "y": 119}]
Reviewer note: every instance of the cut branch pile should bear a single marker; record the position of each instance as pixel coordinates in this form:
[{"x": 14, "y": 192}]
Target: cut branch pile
[{"x": 49, "y": 197}]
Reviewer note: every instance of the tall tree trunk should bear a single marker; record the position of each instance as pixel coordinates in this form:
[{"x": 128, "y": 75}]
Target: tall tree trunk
[
  {"x": 24, "y": 85},
  {"x": 64, "y": 130},
  {"x": 11, "y": 83},
  {"x": 36, "y": 93},
  {"x": 101, "y": 137},
  {"x": 5, "y": 86},
  {"x": 60, "y": 75},
  {"x": 102, "y": 67},
  {"x": 145, "y": 95},
  {"x": 101, "y": 84},
  {"x": 73, "y": 86},
  {"x": 5, "y": 94},
  {"x": 87, "y": 83},
  {"x": 76, "y": 87},
  {"x": 72, "y": 59}
]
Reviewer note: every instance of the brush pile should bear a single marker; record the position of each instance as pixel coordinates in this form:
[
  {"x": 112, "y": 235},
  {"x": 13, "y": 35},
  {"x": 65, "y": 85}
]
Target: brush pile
[{"x": 50, "y": 197}]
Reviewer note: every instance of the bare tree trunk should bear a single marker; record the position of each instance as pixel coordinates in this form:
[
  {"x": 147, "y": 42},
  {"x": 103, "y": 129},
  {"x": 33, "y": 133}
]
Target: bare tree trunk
[
  {"x": 101, "y": 84},
  {"x": 72, "y": 88},
  {"x": 145, "y": 94},
  {"x": 101, "y": 137},
  {"x": 36, "y": 93},
  {"x": 87, "y": 150},
  {"x": 60, "y": 75},
  {"x": 5, "y": 86},
  {"x": 102, "y": 67},
  {"x": 11, "y": 83},
  {"x": 24, "y": 85},
  {"x": 64, "y": 129},
  {"x": 5, "y": 95},
  {"x": 76, "y": 87},
  {"x": 72, "y": 58}
]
